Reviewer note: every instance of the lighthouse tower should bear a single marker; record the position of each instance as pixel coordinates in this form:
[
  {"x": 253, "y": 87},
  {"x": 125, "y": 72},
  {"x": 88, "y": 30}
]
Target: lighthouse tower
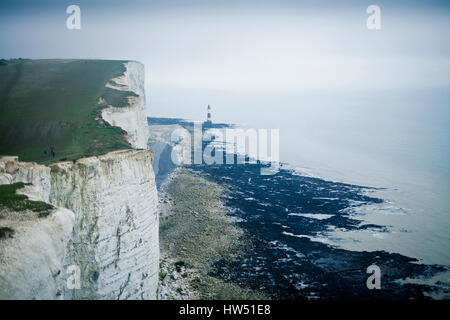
[{"x": 208, "y": 117}]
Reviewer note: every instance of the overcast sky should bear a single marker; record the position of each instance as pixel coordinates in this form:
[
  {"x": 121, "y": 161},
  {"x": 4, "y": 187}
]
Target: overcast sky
[{"x": 244, "y": 46}]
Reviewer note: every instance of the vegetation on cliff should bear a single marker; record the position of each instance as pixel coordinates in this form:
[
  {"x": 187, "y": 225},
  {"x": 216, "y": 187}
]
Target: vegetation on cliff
[
  {"x": 18, "y": 202},
  {"x": 56, "y": 103}
]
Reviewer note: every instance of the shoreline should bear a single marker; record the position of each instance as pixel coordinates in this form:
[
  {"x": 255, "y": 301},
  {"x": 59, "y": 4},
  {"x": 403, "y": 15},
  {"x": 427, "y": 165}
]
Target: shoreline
[
  {"x": 173, "y": 282},
  {"x": 195, "y": 236},
  {"x": 224, "y": 230}
]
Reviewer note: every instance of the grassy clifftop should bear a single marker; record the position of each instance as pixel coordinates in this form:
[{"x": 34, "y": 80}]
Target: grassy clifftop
[
  {"x": 53, "y": 103},
  {"x": 19, "y": 202}
]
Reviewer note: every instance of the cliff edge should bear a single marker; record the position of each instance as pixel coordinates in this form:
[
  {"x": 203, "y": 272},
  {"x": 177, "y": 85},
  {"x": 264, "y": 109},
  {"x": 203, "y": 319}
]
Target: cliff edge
[
  {"x": 100, "y": 240},
  {"x": 131, "y": 118}
]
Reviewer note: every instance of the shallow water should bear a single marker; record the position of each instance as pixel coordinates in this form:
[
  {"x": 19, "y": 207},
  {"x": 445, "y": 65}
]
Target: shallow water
[
  {"x": 311, "y": 234},
  {"x": 293, "y": 255},
  {"x": 394, "y": 141}
]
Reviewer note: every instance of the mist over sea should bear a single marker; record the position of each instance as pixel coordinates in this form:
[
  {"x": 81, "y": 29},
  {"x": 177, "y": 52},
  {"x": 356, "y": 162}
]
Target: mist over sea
[
  {"x": 396, "y": 141},
  {"x": 352, "y": 104}
]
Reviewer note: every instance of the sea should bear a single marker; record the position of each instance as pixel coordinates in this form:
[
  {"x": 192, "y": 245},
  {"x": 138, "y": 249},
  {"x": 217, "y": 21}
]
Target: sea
[{"x": 364, "y": 180}]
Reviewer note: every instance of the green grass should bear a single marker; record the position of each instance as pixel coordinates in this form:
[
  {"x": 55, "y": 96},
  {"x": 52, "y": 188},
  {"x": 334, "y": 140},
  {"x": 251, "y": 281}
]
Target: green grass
[
  {"x": 19, "y": 202},
  {"x": 53, "y": 103},
  {"x": 117, "y": 98}
]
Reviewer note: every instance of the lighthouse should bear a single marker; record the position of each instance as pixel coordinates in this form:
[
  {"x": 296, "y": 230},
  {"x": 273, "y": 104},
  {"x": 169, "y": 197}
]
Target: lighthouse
[{"x": 208, "y": 116}]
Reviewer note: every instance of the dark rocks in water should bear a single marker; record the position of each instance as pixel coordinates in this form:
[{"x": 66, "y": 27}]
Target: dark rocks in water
[
  {"x": 277, "y": 212},
  {"x": 6, "y": 232},
  {"x": 288, "y": 265}
]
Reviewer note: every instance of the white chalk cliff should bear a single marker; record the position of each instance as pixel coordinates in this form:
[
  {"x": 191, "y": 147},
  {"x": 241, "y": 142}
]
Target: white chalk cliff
[
  {"x": 105, "y": 221},
  {"x": 131, "y": 118}
]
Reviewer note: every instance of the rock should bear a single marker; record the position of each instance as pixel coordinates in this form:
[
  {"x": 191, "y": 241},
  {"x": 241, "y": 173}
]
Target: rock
[
  {"x": 113, "y": 236},
  {"x": 11, "y": 167},
  {"x": 33, "y": 257},
  {"x": 132, "y": 118}
]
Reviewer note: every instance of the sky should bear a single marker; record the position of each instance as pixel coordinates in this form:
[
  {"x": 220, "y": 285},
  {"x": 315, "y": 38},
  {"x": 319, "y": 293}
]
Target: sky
[
  {"x": 362, "y": 106},
  {"x": 244, "y": 46}
]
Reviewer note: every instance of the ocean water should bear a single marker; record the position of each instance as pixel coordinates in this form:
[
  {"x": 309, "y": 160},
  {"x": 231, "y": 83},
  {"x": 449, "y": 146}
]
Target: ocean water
[
  {"x": 290, "y": 253},
  {"x": 396, "y": 143},
  {"x": 365, "y": 180}
]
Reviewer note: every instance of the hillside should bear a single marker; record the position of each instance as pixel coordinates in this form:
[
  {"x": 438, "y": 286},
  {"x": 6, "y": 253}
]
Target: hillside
[
  {"x": 97, "y": 214},
  {"x": 55, "y": 103}
]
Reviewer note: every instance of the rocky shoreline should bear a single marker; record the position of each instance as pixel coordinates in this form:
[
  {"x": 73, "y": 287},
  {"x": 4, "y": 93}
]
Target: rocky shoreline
[
  {"x": 227, "y": 232},
  {"x": 196, "y": 233}
]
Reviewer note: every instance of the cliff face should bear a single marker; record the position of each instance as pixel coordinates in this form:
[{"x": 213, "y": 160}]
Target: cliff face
[
  {"x": 115, "y": 238},
  {"x": 32, "y": 259},
  {"x": 131, "y": 118},
  {"x": 105, "y": 222},
  {"x": 171, "y": 145}
]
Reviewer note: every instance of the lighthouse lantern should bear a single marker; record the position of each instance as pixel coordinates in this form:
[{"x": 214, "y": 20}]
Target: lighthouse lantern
[{"x": 208, "y": 116}]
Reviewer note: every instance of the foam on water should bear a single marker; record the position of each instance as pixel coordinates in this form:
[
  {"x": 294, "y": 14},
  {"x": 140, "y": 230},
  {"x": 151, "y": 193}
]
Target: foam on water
[{"x": 319, "y": 216}]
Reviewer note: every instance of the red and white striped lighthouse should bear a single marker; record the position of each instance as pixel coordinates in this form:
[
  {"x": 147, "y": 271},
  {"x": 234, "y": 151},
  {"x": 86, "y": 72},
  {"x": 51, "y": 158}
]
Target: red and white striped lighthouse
[{"x": 208, "y": 117}]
